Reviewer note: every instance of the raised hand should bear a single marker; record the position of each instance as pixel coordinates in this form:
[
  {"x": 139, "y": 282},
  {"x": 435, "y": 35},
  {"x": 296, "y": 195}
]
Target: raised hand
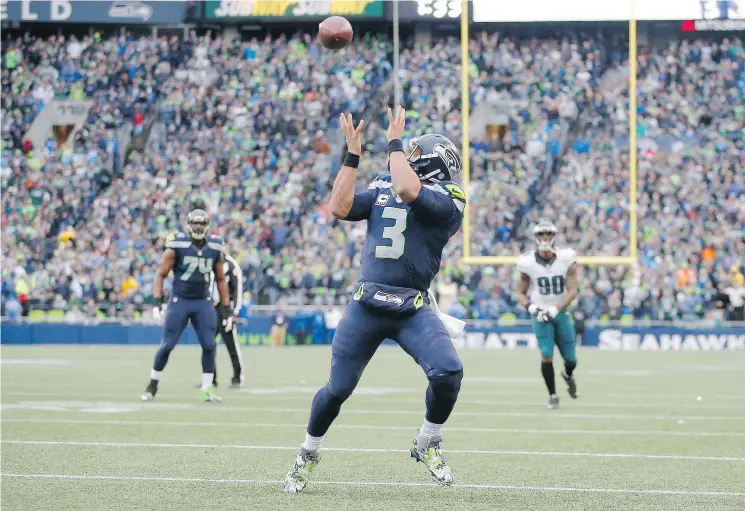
[
  {"x": 397, "y": 124},
  {"x": 352, "y": 134}
]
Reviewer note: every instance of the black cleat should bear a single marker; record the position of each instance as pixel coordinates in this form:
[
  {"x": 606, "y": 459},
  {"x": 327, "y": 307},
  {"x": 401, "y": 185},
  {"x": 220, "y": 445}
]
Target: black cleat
[
  {"x": 236, "y": 383},
  {"x": 571, "y": 384},
  {"x": 150, "y": 391}
]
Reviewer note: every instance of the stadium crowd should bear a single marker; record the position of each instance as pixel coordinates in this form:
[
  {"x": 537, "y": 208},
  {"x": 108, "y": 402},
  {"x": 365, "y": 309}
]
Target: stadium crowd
[{"x": 248, "y": 129}]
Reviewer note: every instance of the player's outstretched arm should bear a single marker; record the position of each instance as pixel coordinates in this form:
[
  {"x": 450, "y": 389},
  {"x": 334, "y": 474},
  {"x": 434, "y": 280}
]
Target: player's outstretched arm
[
  {"x": 342, "y": 193},
  {"x": 406, "y": 183},
  {"x": 572, "y": 288}
]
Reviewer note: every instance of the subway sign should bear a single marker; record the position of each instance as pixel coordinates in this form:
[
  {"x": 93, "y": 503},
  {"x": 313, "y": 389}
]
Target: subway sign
[{"x": 292, "y": 9}]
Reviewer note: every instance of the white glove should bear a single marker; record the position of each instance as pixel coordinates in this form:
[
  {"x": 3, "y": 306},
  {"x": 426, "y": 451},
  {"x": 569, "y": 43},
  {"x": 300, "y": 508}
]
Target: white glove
[
  {"x": 552, "y": 312},
  {"x": 533, "y": 309},
  {"x": 157, "y": 313},
  {"x": 228, "y": 323}
]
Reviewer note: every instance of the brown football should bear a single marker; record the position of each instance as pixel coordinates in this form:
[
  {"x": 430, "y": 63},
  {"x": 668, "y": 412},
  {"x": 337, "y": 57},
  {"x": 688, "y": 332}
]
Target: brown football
[{"x": 335, "y": 32}]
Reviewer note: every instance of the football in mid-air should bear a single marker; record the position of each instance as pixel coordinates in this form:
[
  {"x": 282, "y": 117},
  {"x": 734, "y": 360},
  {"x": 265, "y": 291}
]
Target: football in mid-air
[{"x": 335, "y": 32}]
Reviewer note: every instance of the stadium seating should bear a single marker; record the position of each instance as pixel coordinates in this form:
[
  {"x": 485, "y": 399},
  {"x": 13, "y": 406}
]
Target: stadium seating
[{"x": 249, "y": 129}]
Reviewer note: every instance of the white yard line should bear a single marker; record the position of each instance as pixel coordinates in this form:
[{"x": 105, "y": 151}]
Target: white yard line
[
  {"x": 267, "y": 482},
  {"x": 357, "y": 450},
  {"x": 190, "y": 407},
  {"x": 298, "y": 425},
  {"x": 391, "y": 398}
]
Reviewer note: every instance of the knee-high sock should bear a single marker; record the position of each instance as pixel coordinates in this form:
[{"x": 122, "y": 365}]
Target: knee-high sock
[
  {"x": 569, "y": 366},
  {"x": 547, "y": 369}
]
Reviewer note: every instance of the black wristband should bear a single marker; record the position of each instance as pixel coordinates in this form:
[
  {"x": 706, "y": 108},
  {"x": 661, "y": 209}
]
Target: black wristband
[
  {"x": 395, "y": 145},
  {"x": 352, "y": 160},
  {"x": 158, "y": 301}
]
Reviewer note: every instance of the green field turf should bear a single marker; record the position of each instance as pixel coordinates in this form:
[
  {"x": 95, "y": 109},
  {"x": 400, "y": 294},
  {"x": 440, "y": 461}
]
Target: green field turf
[{"x": 76, "y": 436}]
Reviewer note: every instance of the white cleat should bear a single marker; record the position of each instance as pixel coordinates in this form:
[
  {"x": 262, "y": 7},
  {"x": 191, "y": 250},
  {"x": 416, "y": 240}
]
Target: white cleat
[
  {"x": 297, "y": 477},
  {"x": 553, "y": 402}
]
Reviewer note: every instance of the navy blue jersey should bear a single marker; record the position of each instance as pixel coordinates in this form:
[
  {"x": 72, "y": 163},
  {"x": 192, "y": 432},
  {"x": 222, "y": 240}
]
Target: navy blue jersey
[
  {"x": 404, "y": 242},
  {"x": 191, "y": 271}
]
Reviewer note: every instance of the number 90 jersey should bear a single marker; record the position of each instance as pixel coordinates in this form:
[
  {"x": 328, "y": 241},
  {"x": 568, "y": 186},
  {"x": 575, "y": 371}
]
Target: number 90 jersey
[
  {"x": 193, "y": 265},
  {"x": 547, "y": 280},
  {"x": 404, "y": 242}
]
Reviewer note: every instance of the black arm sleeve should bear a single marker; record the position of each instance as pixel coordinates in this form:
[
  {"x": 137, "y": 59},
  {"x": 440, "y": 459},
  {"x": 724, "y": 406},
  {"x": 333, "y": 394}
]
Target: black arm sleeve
[
  {"x": 361, "y": 206},
  {"x": 435, "y": 206}
]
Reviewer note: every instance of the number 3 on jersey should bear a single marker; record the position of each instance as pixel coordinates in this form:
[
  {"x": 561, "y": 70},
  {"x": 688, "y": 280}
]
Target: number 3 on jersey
[
  {"x": 395, "y": 233},
  {"x": 553, "y": 287}
]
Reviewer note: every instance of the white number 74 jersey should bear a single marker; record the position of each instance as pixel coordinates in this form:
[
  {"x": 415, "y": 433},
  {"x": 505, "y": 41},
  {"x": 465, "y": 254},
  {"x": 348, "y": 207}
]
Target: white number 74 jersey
[{"x": 547, "y": 282}]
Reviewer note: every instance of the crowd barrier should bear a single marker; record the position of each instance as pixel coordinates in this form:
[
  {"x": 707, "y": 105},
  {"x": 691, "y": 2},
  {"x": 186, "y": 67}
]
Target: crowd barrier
[{"x": 309, "y": 329}]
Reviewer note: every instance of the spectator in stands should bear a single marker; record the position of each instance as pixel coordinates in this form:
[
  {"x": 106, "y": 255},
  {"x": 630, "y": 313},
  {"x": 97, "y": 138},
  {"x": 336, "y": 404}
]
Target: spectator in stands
[{"x": 237, "y": 126}]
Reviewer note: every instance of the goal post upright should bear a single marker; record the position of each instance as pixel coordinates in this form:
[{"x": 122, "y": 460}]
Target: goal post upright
[
  {"x": 465, "y": 150},
  {"x": 633, "y": 230}
]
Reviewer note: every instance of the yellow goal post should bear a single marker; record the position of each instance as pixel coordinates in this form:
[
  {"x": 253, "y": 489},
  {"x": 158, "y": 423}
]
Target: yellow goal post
[{"x": 466, "y": 153}]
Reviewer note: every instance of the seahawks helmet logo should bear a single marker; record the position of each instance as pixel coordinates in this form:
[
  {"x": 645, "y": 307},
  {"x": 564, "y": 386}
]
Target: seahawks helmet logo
[{"x": 452, "y": 161}]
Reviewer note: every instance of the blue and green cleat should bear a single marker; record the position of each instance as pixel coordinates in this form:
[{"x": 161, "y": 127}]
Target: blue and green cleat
[{"x": 208, "y": 395}]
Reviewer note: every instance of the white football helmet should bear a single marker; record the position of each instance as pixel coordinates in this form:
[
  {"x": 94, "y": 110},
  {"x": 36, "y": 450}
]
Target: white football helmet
[{"x": 545, "y": 227}]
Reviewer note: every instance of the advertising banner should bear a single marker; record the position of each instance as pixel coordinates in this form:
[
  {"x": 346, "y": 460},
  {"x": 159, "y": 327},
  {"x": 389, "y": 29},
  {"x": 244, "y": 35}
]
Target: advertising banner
[
  {"x": 124, "y": 12},
  {"x": 292, "y": 9},
  {"x": 592, "y": 10},
  {"x": 663, "y": 338},
  {"x": 311, "y": 329}
]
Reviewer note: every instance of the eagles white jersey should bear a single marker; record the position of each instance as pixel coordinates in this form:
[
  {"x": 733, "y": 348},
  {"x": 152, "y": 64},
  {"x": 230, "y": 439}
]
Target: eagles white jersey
[{"x": 547, "y": 282}]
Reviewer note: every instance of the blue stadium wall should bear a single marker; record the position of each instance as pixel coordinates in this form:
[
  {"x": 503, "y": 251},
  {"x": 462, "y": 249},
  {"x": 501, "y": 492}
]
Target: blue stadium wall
[{"x": 256, "y": 333}]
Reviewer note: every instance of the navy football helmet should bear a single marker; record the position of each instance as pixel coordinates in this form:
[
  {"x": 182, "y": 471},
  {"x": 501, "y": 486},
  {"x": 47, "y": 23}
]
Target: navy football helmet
[
  {"x": 197, "y": 224},
  {"x": 434, "y": 157}
]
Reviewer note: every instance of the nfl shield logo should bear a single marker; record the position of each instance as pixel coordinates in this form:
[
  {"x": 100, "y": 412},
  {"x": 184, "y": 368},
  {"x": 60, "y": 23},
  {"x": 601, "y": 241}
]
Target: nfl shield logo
[{"x": 382, "y": 199}]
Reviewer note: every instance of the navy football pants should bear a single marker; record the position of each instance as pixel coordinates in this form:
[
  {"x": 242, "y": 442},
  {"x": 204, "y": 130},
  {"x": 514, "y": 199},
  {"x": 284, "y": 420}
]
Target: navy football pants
[
  {"x": 203, "y": 318},
  {"x": 360, "y": 332}
]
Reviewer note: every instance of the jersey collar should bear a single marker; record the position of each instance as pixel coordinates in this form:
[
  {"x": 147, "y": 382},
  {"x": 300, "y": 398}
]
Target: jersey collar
[{"x": 544, "y": 262}]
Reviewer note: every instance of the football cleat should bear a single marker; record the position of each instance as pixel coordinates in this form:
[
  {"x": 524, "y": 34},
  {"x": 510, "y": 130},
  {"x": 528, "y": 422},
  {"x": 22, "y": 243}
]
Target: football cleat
[
  {"x": 150, "y": 392},
  {"x": 553, "y": 402},
  {"x": 571, "y": 384},
  {"x": 236, "y": 383},
  {"x": 428, "y": 451},
  {"x": 208, "y": 395},
  {"x": 297, "y": 477}
]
